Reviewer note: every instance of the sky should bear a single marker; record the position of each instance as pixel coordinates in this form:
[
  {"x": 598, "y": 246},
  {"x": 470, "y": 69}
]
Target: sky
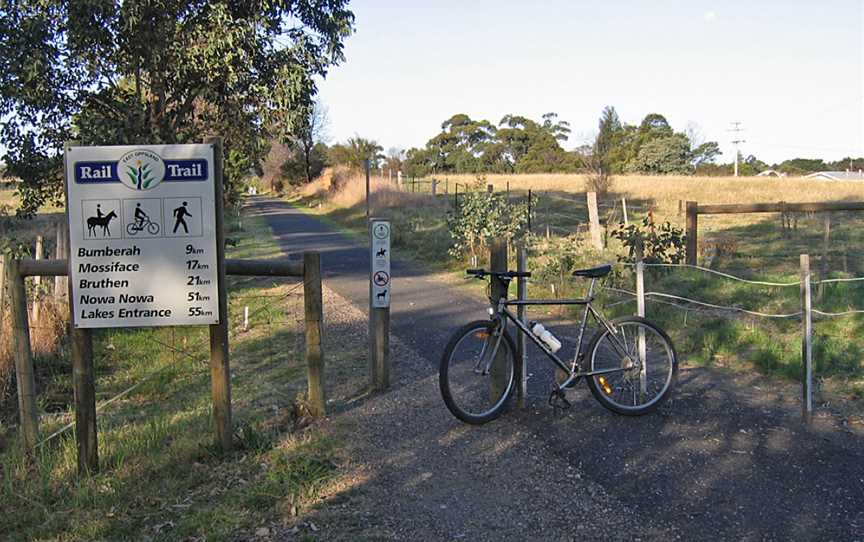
[{"x": 789, "y": 71}]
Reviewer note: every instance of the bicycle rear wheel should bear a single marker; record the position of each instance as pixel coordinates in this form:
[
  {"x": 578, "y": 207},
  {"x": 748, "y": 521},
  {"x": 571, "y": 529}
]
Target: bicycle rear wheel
[
  {"x": 474, "y": 386},
  {"x": 647, "y": 365}
]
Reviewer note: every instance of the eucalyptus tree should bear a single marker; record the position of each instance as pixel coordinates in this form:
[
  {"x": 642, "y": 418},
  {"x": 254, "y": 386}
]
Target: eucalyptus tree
[{"x": 157, "y": 71}]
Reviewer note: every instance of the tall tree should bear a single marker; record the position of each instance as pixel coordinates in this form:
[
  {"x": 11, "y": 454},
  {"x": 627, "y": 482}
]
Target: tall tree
[{"x": 156, "y": 71}]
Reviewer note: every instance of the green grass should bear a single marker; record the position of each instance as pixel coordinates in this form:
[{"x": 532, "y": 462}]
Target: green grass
[
  {"x": 749, "y": 246},
  {"x": 160, "y": 475}
]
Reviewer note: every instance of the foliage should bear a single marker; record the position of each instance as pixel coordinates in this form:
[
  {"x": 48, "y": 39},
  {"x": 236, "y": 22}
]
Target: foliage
[
  {"x": 354, "y": 152},
  {"x": 663, "y": 156},
  {"x": 481, "y": 217},
  {"x": 517, "y": 144},
  {"x": 664, "y": 243},
  {"x": 146, "y": 71}
]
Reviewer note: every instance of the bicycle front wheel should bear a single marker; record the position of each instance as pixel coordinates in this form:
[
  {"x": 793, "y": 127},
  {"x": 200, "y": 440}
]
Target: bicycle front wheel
[
  {"x": 152, "y": 228},
  {"x": 639, "y": 364},
  {"x": 476, "y": 380}
]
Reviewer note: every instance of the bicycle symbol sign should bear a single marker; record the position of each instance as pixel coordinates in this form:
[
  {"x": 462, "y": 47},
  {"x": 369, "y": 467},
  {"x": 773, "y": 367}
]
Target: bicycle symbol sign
[{"x": 381, "y": 278}]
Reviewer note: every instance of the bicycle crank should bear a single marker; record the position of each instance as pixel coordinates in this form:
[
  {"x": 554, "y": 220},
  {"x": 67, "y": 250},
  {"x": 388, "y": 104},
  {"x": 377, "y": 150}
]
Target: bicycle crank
[{"x": 557, "y": 400}]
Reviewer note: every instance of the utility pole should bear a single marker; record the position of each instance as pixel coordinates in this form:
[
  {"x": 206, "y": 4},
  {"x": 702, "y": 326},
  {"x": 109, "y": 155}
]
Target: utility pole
[{"x": 736, "y": 129}]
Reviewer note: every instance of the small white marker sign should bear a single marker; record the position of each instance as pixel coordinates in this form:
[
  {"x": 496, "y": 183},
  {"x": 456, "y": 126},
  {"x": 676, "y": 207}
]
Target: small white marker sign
[
  {"x": 380, "y": 280},
  {"x": 142, "y": 235}
]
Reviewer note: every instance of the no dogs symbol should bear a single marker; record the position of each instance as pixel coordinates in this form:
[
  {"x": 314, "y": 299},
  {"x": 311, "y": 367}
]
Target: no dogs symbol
[{"x": 381, "y": 278}]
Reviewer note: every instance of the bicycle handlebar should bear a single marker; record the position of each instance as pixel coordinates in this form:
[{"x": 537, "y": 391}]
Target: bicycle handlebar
[{"x": 480, "y": 273}]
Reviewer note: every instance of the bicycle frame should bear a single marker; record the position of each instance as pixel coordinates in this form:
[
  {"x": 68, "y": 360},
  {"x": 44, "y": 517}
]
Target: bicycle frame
[{"x": 572, "y": 373}]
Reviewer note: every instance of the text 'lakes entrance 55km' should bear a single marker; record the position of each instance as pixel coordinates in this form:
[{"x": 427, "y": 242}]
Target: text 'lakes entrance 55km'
[{"x": 142, "y": 235}]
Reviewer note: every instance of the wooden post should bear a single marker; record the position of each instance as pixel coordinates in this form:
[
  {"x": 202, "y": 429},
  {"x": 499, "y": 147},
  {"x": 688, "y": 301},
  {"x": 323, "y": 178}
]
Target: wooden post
[
  {"x": 594, "y": 221},
  {"x": 823, "y": 264},
  {"x": 366, "y": 166},
  {"x": 640, "y": 311},
  {"x": 3, "y": 283},
  {"x": 81, "y": 351},
  {"x": 314, "y": 317},
  {"x": 61, "y": 288},
  {"x": 37, "y": 282},
  {"x": 521, "y": 368},
  {"x": 624, "y": 210},
  {"x": 380, "y": 295},
  {"x": 446, "y": 186},
  {"x": 529, "y": 210},
  {"x": 692, "y": 232},
  {"x": 806, "y": 341},
  {"x": 434, "y": 187},
  {"x": 498, "y": 262},
  {"x": 24, "y": 376},
  {"x": 220, "y": 367},
  {"x": 680, "y": 207}
]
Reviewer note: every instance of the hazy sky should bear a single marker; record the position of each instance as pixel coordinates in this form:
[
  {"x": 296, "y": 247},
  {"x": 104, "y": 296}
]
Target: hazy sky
[{"x": 790, "y": 71}]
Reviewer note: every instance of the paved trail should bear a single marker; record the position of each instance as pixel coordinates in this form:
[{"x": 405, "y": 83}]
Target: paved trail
[{"x": 728, "y": 459}]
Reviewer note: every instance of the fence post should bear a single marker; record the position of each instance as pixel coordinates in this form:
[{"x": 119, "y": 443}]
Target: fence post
[
  {"x": 490, "y": 188},
  {"x": 37, "y": 282},
  {"x": 62, "y": 253},
  {"x": 220, "y": 367},
  {"x": 498, "y": 262},
  {"x": 313, "y": 307},
  {"x": 529, "y": 210},
  {"x": 23, "y": 355},
  {"x": 522, "y": 313},
  {"x": 2, "y": 288},
  {"x": 640, "y": 311},
  {"x": 434, "y": 187},
  {"x": 806, "y": 341},
  {"x": 366, "y": 166},
  {"x": 624, "y": 210},
  {"x": 594, "y": 221},
  {"x": 692, "y": 231},
  {"x": 680, "y": 207},
  {"x": 823, "y": 265}
]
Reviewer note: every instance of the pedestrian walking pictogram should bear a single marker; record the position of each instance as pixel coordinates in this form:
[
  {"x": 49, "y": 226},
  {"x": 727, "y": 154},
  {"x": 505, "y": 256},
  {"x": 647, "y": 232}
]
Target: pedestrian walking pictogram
[{"x": 180, "y": 213}]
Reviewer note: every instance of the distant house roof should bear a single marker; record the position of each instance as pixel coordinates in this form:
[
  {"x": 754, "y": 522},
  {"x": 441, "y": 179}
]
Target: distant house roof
[
  {"x": 838, "y": 175},
  {"x": 770, "y": 173}
]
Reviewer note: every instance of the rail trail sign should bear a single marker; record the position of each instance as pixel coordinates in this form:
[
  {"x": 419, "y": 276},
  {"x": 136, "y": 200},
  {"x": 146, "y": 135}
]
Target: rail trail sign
[
  {"x": 380, "y": 268},
  {"x": 142, "y": 234}
]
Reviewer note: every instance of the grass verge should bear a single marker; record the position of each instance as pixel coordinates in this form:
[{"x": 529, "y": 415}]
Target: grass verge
[{"x": 160, "y": 477}]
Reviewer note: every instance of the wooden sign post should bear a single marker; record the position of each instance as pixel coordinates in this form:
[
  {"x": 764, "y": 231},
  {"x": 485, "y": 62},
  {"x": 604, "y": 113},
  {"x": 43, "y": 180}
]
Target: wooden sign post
[{"x": 380, "y": 286}]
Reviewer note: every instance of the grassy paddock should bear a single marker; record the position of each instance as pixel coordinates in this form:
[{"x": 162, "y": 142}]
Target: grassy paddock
[
  {"x": 161, "y": 478},
  {"x": 747, "y": 245}
]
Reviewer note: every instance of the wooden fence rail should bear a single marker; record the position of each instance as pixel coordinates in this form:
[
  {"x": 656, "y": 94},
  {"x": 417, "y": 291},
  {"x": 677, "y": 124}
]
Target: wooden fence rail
[
  {"x": 694, "y": 210},
  {"x": 12, "y": 276}
]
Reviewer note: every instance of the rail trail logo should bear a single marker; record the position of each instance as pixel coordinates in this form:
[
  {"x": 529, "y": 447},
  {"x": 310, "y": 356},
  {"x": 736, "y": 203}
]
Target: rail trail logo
[{"x": 141, "y": 169}]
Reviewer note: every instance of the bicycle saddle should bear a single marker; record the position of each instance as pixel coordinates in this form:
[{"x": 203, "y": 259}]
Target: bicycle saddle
[{"x": 593, "y": 272}]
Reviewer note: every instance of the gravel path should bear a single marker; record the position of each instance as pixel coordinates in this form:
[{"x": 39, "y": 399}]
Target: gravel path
[{"x": 727, "y": 459}]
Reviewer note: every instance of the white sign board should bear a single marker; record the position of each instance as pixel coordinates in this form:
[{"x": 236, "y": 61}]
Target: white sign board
[
  {"x": 142, "y": 236},
  {"x": 380, "y": 269}
]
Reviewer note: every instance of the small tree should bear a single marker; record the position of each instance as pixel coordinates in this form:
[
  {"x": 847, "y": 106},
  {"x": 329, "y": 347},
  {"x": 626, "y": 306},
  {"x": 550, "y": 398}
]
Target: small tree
[{"x": 481, "y": 217}]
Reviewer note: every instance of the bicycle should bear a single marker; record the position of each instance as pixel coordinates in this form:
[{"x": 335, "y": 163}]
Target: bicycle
[
  {"x": 630, "y": 364},
  {"x": 139, "y": 225}
]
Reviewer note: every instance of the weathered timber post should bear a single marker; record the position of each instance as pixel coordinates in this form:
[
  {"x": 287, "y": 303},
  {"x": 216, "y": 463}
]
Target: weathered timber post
[
  {"x": 380, "y": 294},
  {"x": 640, "y": 311},
  {"x": 692, "y": 232},
  {"x": 434, "y": 187},
  {"x": 594, "y": 221},
  {"x": 24, "y": 376},
  {"x": 529, "y": 210},
  {"x": 498, "y": 263},
  {"x": 624, "y": 210},
  {"x": 220, "y": 367},
  {"x": 61, "y": 288},
  {"x": 680, "y": 207},
  {"x": 37, "y": 282},
  {"x": 81, "y": 350},
  {"x": 313, "y": 319},
  {"x": 806, "y": 341},
  {"x": 823, "y": 265},
  {"x": 521, "y": 368},
  {"x": 366, "y": 166}
]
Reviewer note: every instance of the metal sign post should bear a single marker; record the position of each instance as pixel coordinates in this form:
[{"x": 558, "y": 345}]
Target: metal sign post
[{"x": 379, "y": 304}]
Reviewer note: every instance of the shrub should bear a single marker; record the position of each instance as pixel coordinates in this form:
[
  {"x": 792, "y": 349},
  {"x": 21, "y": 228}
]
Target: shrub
[
  {"x": 664, "y": 243},
  {"x": 483, "y": 216}
]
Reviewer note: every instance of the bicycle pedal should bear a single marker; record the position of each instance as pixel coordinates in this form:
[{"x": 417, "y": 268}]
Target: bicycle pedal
[{"x": 558, "y": 401}]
